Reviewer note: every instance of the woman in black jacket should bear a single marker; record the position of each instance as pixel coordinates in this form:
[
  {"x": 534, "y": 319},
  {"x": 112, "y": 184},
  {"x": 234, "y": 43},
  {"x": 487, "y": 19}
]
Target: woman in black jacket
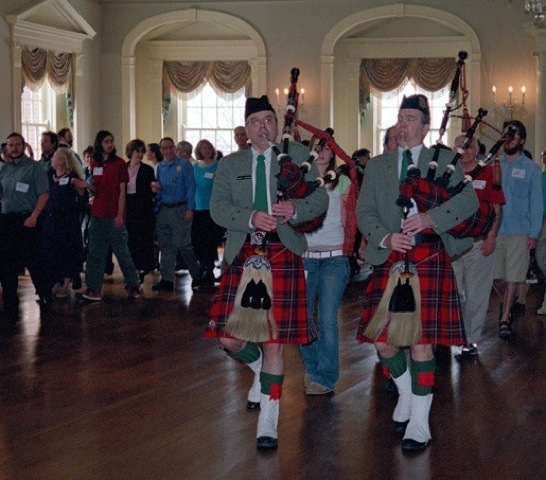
[{"x": 140, "y": 208}]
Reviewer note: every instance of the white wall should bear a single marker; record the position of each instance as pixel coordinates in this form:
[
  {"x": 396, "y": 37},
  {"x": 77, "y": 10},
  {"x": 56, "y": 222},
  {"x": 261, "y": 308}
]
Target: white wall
[{"x": 293, "y": 33}]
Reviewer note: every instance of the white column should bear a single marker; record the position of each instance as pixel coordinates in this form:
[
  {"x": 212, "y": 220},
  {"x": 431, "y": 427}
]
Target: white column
[
  {"x": 327, "y": 90},
  {"x": 78, "y": 102},
  {"x": 540, "y": 113},
  {"x": 539, "y": 33},
  {"x": 128, "y": 99},
  {"x": 16, "y": 87}
]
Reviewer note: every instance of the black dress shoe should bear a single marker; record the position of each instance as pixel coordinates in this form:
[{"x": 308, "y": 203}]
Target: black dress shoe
[
  {"x": 400, "y": 427},
  {"x": 163, "y": 286},
  {"x": 267, "y": 443},
  {"x": 252, "y": 406},
  {"x": 410, "y": 445}
]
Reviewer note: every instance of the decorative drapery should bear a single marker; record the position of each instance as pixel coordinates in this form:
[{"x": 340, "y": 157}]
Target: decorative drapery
[
  {"x": 38, "y": 65},
  {"x": 383, "y": 75},
  {"x": 190, "y": 77}
]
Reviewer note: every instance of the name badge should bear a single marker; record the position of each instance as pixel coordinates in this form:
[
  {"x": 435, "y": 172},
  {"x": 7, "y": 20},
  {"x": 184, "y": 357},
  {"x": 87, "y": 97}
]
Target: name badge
[
  {"x": 64, "y": 181},
  {"x": 21, "y": 187},
  {"x": 478, "y": 184},
  {"x": 97, "y": 171},
  {"x": 518, "y": 173},
  {"x": 244, "y": 177},
  {"x": 209, "y": 175}
]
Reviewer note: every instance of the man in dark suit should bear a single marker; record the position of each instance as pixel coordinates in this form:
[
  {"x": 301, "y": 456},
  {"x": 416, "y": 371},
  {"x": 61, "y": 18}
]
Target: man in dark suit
[
  {"x": 423, "y": 235},
  {"x": 247, "y": 212}
]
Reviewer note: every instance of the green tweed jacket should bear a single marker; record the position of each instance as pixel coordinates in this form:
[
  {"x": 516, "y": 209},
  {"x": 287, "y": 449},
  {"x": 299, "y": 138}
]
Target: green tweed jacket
[
  {"x": 378, "y": 215},
  {"x": 231, "y": 200}
]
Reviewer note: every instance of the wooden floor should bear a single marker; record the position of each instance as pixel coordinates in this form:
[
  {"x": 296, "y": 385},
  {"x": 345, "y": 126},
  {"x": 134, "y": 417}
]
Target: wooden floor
[{"x": 131, "y": 390}]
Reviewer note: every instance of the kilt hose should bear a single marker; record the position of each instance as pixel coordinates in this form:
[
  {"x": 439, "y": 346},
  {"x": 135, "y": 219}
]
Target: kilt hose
[
  {"x": 289, "y": 295},
  {"x": 441, "y": 317}
]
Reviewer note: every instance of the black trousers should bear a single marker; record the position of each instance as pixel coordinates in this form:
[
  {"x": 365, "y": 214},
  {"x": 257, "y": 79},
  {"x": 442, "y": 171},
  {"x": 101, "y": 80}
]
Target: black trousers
[{"x": 20, "y": 247}]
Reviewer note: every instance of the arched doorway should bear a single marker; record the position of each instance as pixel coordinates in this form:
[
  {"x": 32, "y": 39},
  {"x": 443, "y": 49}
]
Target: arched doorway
[
  {"x": 386, "y": 32},
  {"x": 187, "y": 35}
]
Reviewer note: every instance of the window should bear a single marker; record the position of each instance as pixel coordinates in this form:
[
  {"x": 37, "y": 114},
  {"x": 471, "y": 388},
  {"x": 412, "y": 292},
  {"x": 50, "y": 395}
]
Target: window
[
  {"x": 37, "y": 112},
  {"x": 212, "y": 117},
  {"x": 386, "y": 113}
]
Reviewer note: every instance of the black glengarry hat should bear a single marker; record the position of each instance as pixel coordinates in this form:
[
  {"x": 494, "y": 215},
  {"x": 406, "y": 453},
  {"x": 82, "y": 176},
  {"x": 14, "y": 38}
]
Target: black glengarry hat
[
  {"x": 417, "y": 102},
  {"x": 254, "y": 105}
]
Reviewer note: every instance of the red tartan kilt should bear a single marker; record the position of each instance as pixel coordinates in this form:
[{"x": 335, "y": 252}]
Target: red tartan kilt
[
  {"x": 440, "y": 308},
  {"x": 289, "y": 295}
]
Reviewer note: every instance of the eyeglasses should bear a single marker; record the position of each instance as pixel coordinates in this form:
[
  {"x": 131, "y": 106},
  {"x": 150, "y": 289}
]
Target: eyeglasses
[
  {"x": 392, "y": 139},
  {"x": 256, "y": 122}
]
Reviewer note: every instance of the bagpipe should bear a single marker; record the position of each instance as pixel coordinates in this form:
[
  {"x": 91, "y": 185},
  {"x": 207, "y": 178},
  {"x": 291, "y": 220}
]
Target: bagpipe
[{"x": 431, "y": 191}]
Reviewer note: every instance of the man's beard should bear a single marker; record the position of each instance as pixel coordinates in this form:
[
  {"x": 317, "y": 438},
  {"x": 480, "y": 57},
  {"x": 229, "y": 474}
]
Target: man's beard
[{"x": 512, "y": 151}]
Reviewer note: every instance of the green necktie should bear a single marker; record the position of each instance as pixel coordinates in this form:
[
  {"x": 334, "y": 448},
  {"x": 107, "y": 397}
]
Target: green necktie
[
  {"x": 406, "y": 161},
  {"x": 260, "y": 193}
]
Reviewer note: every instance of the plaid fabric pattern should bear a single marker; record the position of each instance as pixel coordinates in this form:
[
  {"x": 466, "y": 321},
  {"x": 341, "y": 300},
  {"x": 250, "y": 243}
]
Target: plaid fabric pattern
[
  {"x": 440, "y": 309},
  {"x": 427, "y": 195},
  {"x": 477, "y": 224},
  {"x": 289, "y": 295}
]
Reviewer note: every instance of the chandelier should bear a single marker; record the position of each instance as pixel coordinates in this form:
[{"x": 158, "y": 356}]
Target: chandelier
[{"x": 535, "y": 7}]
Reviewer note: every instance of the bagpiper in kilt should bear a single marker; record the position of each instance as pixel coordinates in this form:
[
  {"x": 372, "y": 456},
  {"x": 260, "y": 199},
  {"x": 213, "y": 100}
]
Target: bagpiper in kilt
[
  {"x": 422, "y": 235},
  {"x": 267, "y": 278}
]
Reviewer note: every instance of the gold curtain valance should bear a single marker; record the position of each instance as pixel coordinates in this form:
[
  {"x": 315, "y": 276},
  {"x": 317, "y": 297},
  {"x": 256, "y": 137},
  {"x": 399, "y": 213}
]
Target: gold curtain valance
[
  {"x": 191, "y": 77},
  {"x": 380, "y": 75},
  {"x": 38, "y": 65}
]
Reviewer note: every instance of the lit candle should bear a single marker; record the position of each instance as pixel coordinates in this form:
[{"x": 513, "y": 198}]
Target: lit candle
[
  {"x": 523, "y": 90},
  {"x": 494, "y": 93},
  {"x": 301, "y": 96},
  {"x": 286, "y": 91},
  {"x": 510, "y": 90},
  {"x": 278, "y": 98}
]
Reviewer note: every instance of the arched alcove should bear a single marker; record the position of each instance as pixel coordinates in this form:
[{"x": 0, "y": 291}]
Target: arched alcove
[
  {"x": 186, "y": 35},
  {"x": 387, "y": 32}
]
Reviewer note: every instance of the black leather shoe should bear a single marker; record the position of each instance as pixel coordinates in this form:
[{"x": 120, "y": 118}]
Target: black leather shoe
[
  {"x": 267, "y": 443},
  {"x": 163, "y": 286},
  {"x": 400, "y": 427},
  {"x": 252, "y": 406},
  {"x": 410, "y": 445}
]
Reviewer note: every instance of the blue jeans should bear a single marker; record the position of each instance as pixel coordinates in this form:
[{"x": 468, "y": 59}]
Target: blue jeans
[{"x": 326, "y": 282}]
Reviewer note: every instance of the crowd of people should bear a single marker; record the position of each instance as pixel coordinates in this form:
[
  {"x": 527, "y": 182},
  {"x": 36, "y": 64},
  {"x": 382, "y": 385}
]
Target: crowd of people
[
  {"x": 282, "y": 281},
  {"x": 65, "y": 216}
]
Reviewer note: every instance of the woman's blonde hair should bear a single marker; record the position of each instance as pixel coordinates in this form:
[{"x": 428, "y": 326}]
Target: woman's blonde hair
[{"x": 70, "y": 160}]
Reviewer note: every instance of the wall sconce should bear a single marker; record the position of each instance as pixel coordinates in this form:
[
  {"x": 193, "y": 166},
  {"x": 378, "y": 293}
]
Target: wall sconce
[{"x": 510, "y": 108}]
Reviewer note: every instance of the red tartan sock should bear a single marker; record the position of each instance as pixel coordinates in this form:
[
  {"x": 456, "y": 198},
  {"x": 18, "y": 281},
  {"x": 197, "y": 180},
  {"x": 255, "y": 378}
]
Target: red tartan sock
[
  {"x": 422, "y": 376},
  {"x": 396, "y": 365},
  {"x": 271, "y": 385}
]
